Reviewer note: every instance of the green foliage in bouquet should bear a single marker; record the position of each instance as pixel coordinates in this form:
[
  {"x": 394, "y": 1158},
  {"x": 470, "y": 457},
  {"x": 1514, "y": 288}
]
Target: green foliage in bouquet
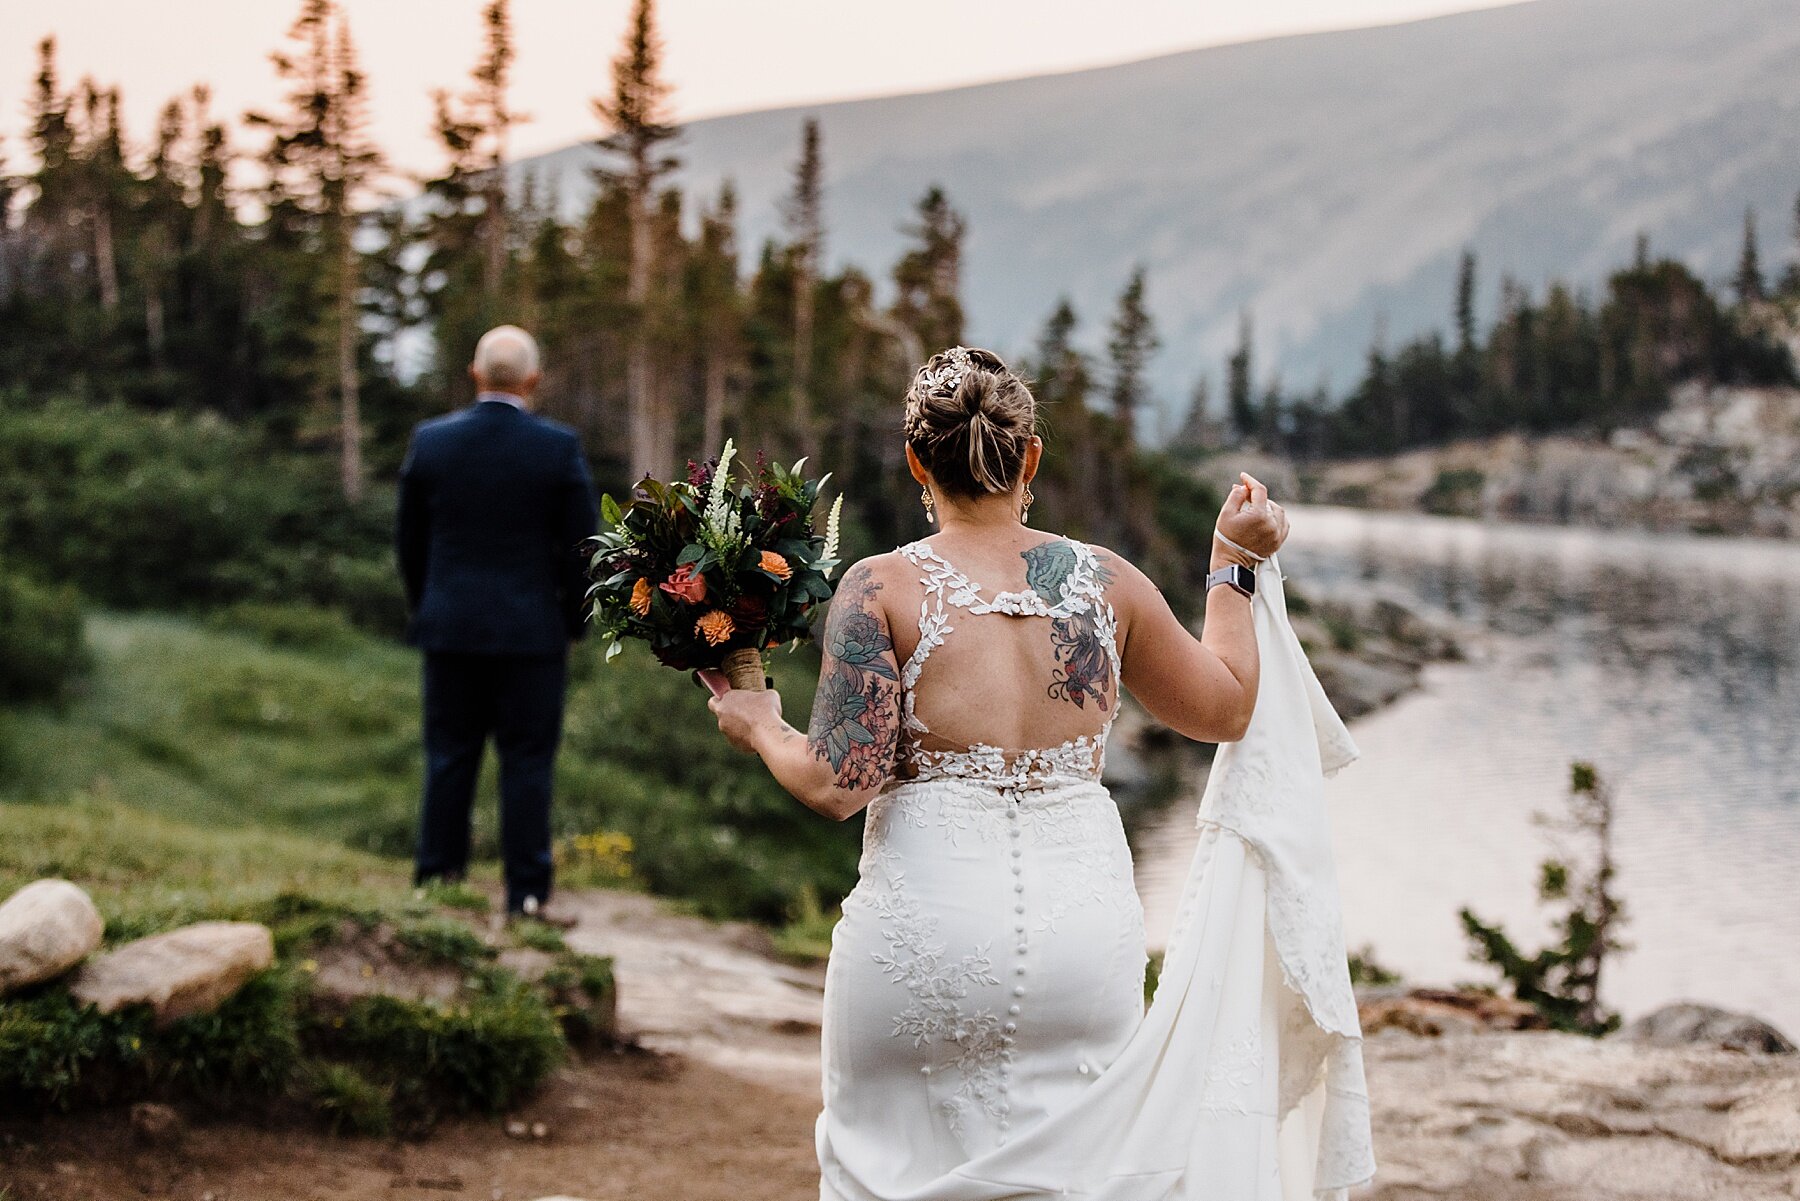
[{"x": 703, "y": 567}]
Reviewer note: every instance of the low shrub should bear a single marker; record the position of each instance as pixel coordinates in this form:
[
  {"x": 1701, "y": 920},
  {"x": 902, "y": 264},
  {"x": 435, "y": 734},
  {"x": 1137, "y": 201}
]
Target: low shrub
[
  {"x": 349, "y": 1101},
  {"x": 483, "y": 1053},
  {"x": 42, "y": 647},
  {"x": 170, "y": 511},
  {"x": 444, "y": 940},
  {"x": 56, "y": 1052},
  {"x": 806, "y": 938},
  {"x": 539, "y": 936}
]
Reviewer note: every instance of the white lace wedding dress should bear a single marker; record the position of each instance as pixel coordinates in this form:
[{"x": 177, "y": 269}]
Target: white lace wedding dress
[{"x": 985, "y": 1035}]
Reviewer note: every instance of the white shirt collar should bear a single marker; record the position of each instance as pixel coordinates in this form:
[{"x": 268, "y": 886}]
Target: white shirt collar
[{"x": 505, "y": 398}]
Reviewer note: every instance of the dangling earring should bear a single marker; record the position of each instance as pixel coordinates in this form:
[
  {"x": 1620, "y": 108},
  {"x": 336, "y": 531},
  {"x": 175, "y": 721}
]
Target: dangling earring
[
  {"x": 925, "y": 499},
  {"x": 1025, "y": 509}
]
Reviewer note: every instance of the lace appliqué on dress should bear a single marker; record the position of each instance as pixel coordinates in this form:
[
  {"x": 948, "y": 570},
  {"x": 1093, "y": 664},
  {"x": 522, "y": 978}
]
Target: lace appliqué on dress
[
  {"x": 938, "y": 1014},
  {"x": 1233, "y": 1074}
]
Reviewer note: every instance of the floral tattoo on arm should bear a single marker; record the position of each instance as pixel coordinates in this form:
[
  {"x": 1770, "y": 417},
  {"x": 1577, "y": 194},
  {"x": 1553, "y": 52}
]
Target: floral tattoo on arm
[
  {"x": 1083, "y": 668},
  {"x": 856, "y": 715}
]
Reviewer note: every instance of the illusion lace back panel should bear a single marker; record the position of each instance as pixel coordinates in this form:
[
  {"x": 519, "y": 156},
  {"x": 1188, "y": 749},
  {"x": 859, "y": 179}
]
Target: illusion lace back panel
[{"x": 1010, "y": 685}]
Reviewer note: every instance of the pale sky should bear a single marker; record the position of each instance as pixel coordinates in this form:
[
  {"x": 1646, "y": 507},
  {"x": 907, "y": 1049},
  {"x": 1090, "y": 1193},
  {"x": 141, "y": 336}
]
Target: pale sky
[{"x": 722, "y": 55}]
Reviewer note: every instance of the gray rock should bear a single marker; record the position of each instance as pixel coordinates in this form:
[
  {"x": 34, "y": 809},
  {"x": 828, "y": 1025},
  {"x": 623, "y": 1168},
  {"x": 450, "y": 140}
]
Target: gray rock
[
  {"x": 1764, "y": 1129},
  {"x": 46, "y": 928},
  {"x": 156, "y": 1124},
  {"x": 178, "y": 974},
  {"x": 1685, "y": 1024},
  {"x": 1542, "y": 1116}
]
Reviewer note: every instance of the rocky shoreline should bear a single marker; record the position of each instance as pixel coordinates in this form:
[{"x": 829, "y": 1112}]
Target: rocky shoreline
[
  {"x": 1723, "y": 460},
  {"x": 1545, "y": 1116}
]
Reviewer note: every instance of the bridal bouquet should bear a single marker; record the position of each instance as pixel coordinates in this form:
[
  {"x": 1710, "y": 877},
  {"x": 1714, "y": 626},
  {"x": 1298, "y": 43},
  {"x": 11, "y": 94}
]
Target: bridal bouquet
[{"x": 713, "y": 571}]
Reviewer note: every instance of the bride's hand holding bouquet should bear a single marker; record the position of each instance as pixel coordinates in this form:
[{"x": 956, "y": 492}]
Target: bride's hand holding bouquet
[{"x": 712, "y": 572}]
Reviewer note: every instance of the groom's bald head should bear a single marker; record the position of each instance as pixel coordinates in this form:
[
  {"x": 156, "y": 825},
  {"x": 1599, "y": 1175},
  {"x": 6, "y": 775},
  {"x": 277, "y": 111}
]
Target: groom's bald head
[{"x": 506, "y": 360}]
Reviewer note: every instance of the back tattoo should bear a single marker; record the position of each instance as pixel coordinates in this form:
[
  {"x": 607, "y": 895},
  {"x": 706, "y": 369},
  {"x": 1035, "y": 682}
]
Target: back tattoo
[{"x": 1083, "y": 667}]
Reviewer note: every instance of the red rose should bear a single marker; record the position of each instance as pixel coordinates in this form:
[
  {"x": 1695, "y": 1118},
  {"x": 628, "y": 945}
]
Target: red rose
[
  {"x": 750, "y": 612},
  {"x": 685, "y": 585}
]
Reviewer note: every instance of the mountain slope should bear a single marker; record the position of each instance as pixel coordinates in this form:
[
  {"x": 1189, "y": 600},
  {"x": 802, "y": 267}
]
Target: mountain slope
[{"x": 1327, "y": 182}]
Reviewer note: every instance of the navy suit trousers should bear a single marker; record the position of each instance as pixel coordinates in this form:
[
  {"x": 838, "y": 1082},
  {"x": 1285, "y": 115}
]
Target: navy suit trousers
[{"x": 518, "y": 701}]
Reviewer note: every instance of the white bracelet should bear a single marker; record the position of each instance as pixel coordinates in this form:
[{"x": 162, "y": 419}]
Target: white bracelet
[{"x": 1242, "y": 550}]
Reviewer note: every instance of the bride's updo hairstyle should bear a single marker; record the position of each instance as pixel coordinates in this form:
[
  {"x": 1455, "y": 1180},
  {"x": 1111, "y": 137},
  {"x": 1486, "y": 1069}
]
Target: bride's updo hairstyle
[{"x": 969, "y": 418}]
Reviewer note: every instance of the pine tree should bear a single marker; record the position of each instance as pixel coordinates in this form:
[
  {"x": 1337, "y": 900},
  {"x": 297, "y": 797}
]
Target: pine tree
[
  {"x": 468, "y": 225},
  {"x": 1465, "y": 402},
  {"x": 162, "y": 213},
  {"x": 928, "y": 277},
  {"x": 1748, "y": 282},
  {"x": 1269, "y": 415},
  {"x": 321, "y": 168},
  {"x": 718, "y": 312},
  {"x": 1791, "y": 279},
  {"x": 491, "y": 100},
  {"x": 636, "y": 112},
  {"x": 1196, "y": 432},
  {"x": 1240, "y": 405},
  {"x": 1562, "y": 981},
  {"x": 53, "y": 145},
  {"x": 804, "y": 213},
  {"x": 1064, "y": 377},
  {"x": 101, "y": 157},
  {"x": 1465, "y": 304},
  {"x": 1133, "y": 340}
]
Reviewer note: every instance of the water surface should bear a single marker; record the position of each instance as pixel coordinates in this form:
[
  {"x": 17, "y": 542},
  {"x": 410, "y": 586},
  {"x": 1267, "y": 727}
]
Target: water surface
[{"x": 1671, "y": 662}]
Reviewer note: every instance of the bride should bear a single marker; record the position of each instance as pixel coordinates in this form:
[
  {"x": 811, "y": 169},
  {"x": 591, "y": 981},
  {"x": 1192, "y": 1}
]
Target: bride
[{"x": 985, "y": 1034}]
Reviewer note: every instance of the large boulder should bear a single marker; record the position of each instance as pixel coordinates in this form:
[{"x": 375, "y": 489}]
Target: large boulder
[
  {"x": 46, "y": 928},
  {"x": 178, "y": 974},
  {"x": 1686, "y": 1024}
]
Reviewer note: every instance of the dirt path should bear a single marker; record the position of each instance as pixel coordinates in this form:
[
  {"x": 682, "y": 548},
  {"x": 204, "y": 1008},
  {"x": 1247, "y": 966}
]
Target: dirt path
[
  {"x": 712, "y": 992},
  {"x": 635, "y": 1127}
]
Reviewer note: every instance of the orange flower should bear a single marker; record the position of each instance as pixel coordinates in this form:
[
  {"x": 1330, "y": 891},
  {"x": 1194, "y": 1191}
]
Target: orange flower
[
  {"x": 685, "y": 585},
  {"x": 640, "y": 597},
  {"x": 775, "y": 565},
  {"x": 715, "y": 627}
]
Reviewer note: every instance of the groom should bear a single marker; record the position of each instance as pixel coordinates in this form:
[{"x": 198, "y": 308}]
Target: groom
[{"x": 494, "y": 502}]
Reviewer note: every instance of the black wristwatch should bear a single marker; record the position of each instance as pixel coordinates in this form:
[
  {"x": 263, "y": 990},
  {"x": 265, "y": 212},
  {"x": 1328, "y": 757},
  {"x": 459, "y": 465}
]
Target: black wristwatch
[{"x": 1237, "y": 576}]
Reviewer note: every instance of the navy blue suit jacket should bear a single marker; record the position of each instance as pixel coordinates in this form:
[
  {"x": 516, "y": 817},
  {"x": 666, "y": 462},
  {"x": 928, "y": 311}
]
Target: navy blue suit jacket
[{"x": 494, "y": 504}]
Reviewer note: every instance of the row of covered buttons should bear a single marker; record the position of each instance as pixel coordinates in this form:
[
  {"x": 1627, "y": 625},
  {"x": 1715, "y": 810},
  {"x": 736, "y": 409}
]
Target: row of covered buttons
[{"x": 1011, "y": 1026}]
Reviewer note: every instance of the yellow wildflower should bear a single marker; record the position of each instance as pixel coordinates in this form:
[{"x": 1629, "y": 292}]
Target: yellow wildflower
[{"x": 715, "y": 627}]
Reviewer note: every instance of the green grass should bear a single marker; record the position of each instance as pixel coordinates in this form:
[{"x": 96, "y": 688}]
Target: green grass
[
  {"x": 223, "y": 731},
  {"x": 265, "y": 720},
  {"x": 147, "y": 872}
]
